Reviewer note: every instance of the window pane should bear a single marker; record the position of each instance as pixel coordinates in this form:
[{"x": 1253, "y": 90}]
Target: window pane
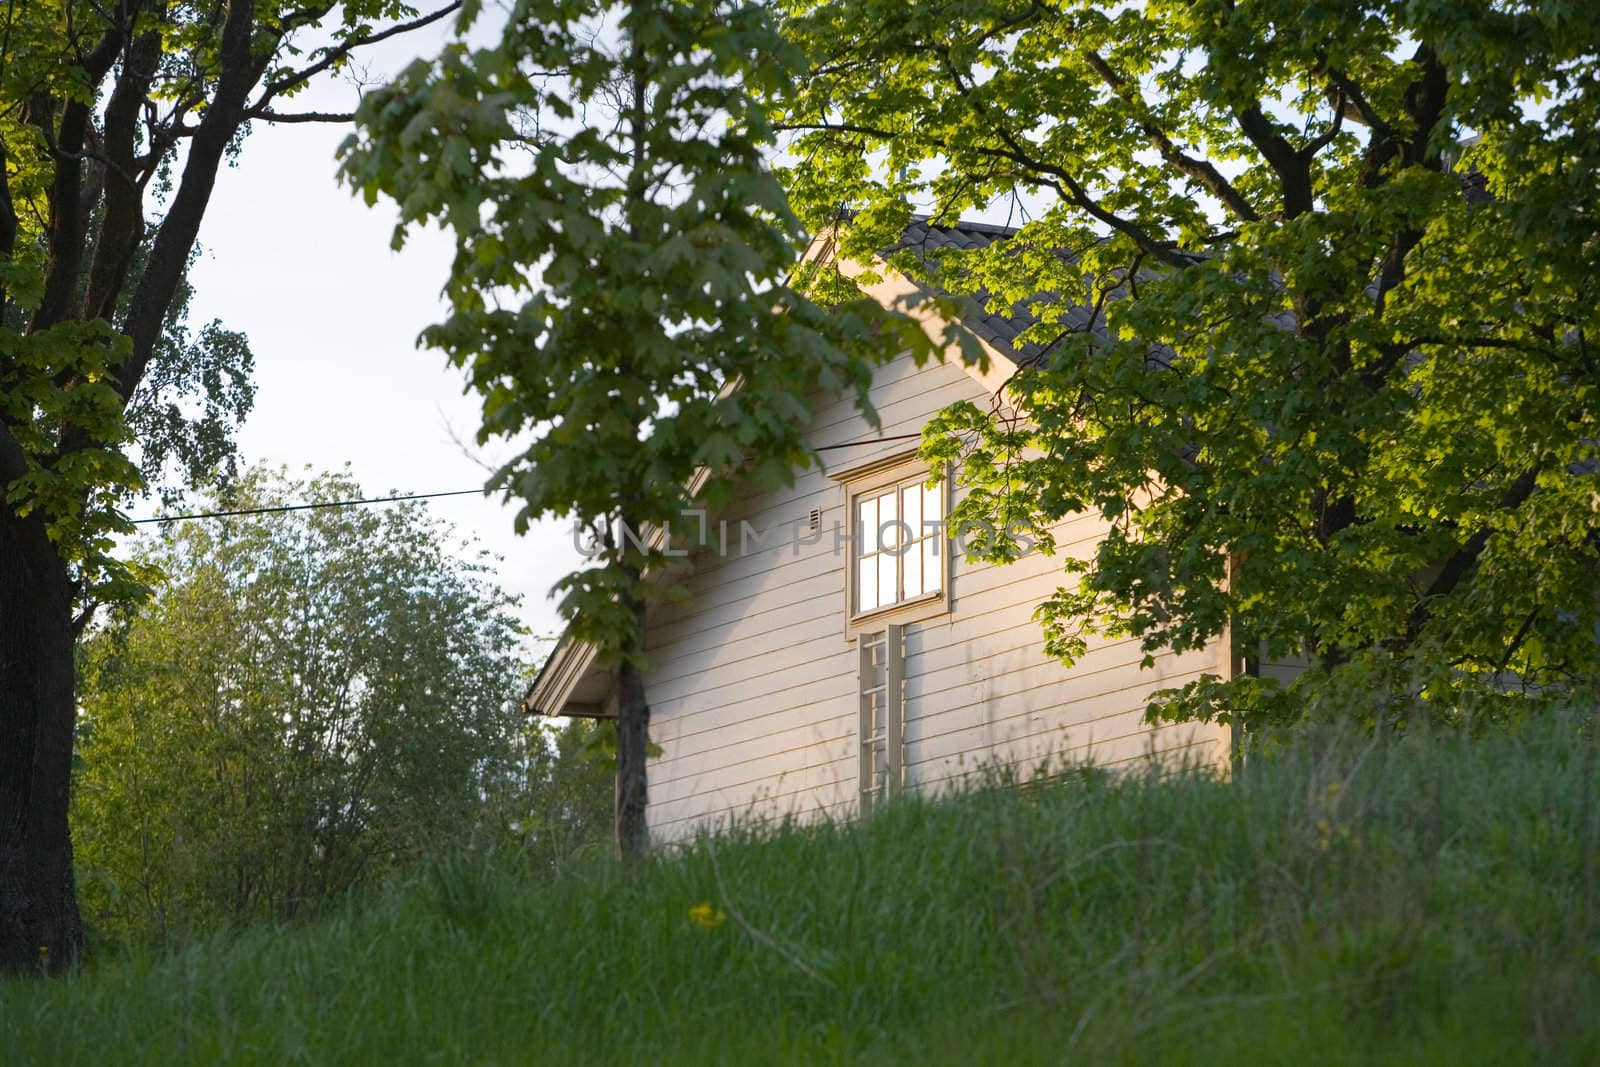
[
  {"x": 933, "y": 503},
  {"x": 911, "y": 569},
  {"x": 867, "y": 583},
  {"x": 932, "y": 564},
  {"x": 866, "y": 526},
  {"x": 888, "y": 578},
  {"x": 888, "y": 516},
  {"x": 911, "y": 508}
]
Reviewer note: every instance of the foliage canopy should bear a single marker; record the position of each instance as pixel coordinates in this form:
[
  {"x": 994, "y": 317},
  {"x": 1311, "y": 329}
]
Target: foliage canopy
[{"x": 1339, "y": 382}]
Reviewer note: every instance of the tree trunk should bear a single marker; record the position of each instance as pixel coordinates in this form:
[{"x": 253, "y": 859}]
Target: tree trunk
[
  {"x": 40, "y": 929},
  {"x": 633, "y": 745}
]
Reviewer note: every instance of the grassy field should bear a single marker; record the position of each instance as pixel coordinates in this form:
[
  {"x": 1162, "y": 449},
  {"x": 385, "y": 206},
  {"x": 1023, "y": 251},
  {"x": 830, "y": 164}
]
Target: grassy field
[{"x": 1426, "y": 900}]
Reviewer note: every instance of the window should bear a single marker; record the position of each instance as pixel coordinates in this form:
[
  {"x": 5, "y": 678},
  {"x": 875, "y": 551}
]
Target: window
[
  {"x": 895, "y": 544},
  {"x": 883, "y": 713},
  {"x": 896, "y": 563}
]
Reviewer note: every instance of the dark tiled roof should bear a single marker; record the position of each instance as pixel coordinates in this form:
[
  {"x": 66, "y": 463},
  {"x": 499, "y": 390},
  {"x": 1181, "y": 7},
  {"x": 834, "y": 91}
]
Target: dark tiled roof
[
  {"x": 998, "y": 326},
  {"x": 1001, "y": 326}
]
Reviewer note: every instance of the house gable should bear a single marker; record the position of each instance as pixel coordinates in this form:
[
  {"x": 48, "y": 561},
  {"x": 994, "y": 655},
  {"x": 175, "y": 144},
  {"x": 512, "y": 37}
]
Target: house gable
[{"x": 571, "y": 682}]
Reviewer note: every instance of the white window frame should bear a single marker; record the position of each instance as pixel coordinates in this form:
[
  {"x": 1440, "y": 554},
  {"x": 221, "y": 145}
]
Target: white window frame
[
  {"x": 875, "y": 479},
  {"x": 882, "y": 771}
]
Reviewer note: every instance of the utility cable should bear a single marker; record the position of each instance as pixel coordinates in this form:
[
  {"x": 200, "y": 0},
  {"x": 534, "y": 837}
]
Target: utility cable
[
  {"x": 305, "y": 507},
  {"x": 419, "y": 496}
]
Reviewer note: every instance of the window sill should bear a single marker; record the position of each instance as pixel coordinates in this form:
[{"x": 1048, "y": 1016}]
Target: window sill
[{"x": 927, "y": 606}]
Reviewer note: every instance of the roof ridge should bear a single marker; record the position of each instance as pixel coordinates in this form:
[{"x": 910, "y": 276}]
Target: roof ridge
[{"x": 990, "y": 229}]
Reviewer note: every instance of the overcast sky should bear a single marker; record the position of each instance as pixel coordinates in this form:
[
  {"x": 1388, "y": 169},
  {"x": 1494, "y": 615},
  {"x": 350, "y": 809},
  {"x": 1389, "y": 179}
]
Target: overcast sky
[{"x": 291, "y": 258}]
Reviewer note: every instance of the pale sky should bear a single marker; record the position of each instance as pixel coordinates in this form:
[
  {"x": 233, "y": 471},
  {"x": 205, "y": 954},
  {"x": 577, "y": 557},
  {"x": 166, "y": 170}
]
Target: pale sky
[{"x": 303, "y": 267}]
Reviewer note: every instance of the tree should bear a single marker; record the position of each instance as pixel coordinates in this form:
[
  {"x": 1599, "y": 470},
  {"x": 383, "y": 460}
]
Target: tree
[
  {"x": 619, "y": 293},
  {"x": 114, "y": 121},
  {"x": 564, "y": 802},
  {"x": 311, "y": 696},
  {"x": 1338, "y": 383}
]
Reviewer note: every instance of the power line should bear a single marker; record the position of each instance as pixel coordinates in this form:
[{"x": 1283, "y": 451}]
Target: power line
[
  {"x": 305, "y": 507},
  {"x": 868, "y": 441},
  {"x": 420, "y": 496}
]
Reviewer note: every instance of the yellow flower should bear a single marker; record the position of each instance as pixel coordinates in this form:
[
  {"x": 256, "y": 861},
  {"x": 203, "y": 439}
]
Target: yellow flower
[{"x": 707, "y": 917}]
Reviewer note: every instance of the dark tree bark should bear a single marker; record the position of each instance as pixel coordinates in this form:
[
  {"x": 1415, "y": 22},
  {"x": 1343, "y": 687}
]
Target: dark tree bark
[
  {"x": 40, "y": 929},
  {"x": 633, "y": 748},
  {"x": 633, "y": 709}
]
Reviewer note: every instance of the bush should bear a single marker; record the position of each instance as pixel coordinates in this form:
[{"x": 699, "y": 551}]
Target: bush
[{"x": 310, "y": 696}]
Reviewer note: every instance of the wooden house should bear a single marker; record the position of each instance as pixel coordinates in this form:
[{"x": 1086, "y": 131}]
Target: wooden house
[{"x": 834, "y": 649}]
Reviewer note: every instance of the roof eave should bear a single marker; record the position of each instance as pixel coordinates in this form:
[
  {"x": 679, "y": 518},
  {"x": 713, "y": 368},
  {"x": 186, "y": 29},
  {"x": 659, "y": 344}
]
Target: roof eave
[{"x": 552, "y": 688}]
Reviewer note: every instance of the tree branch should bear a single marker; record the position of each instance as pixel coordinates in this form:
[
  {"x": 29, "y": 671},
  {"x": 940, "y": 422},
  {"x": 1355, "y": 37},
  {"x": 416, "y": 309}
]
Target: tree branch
[
  {"x": 338, "y": 54},
  {"x": 67, "y": 217},
  {"x": 303, "y": 116},
  {"x": 122, "y": 220},
  {"x": 1065, "y": 184},
  {"x": 8, "y": 221},
  {"x": 1424, "y": 103},
  {"x": 1473, "y": 342},
  {"x": 240, "y": 70},
  {"x": 1517, "y": 639},
  {"x": 1049, "y": 175},
  {"x": 1392, "y": 271},
  {"x": 1200, "y": 170},
  {"x": 1294, "y": 175},
  {"x": 13, "y": 461},
  {"x": 1325, "y": 138},
  {"x": 1349, "y": 95}
]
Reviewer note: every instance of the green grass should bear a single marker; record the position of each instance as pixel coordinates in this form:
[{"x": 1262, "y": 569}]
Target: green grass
[{"x": 1425, "y": 900}]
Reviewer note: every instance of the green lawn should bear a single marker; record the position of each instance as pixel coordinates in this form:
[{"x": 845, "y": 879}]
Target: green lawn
[{"x": 1421, "y": 901}]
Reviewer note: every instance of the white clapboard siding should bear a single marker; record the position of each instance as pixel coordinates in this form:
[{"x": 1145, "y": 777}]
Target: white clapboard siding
[
  {"x": 752, "y": 681},
  {"x": 825, "y": 739},
  {"x": 798, "y": 770},
  {"x": 751, "y": 701},
  {"x": 1039, "y": 711}
]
